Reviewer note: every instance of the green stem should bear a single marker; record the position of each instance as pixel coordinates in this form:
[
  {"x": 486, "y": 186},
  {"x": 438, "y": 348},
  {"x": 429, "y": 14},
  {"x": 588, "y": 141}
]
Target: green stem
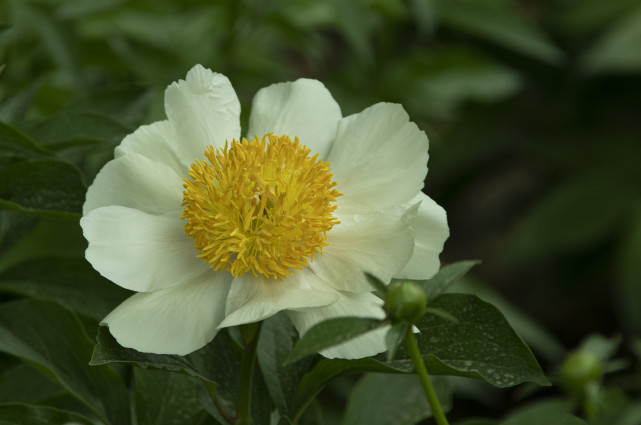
[
  {"x": 421, "y": 371},
  {"x": 243, "y": 408}
]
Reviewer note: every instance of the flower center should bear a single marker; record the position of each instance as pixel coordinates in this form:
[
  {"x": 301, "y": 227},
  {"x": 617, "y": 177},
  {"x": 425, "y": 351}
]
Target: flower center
[{"x": 260, "y": 206}]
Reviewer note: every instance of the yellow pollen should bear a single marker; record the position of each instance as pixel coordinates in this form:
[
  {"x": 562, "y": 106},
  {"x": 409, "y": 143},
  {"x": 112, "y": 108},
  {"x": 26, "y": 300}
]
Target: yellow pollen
[{"x": 261, "y": 206}]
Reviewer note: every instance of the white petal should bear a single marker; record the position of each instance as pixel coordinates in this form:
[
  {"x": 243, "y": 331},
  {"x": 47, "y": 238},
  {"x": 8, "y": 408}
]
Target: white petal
[
  {"x": 204, "y": 110},
  {"x": 379, "y": 243},
  {"x": 177, "y": 320},
  {"x": 256, "y": 298},
  {"x": 137, "y": 182},
  {"x": 303, "y": 108},
  {"x": 158, "y": 142},
  {"x": 358, "y": 305},
  {"x": 139, "y": 251},
  {"x": 379, "y": 159},
  {"x": 430, "y": 233}
]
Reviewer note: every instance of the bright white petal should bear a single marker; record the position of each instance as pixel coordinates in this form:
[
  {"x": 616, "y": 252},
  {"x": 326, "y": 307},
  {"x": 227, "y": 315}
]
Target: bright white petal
[
  {"x": 137, "y": 182},
  {"x": 158, "y": 142},
  {"x": 359, "y": 305},
  {"x": 204, "y": 110},
  {"x": 379, "y": 159},
  {"x": 256, "y": 298},
  {"x": 139, "y": 251},
  {"x": 430, "y": 232},
  {"x": 177, "y": 320},
  {"x": 303, "y": 108},
  {"x": 380, "y": 243}
]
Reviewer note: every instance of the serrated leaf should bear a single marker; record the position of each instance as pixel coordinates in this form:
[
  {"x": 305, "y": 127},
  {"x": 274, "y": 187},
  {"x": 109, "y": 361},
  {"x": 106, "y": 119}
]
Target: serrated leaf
[
  {"x": 216, "y": 362},
  {"x": 277, "y": 338},
  {"x": 21, "y": 414},
  {"x": 47, "y": 335},
  {"x": 329, "y": 369},
  {"x": 482, "y": 345},
  {"x": 383, "y": 399},
  {"x": 329, "y": 333},
  {"x": 44, "y": 187}
]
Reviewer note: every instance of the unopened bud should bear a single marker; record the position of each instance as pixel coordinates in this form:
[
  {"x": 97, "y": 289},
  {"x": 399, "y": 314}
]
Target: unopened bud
[{"x": 405, "y": 300}]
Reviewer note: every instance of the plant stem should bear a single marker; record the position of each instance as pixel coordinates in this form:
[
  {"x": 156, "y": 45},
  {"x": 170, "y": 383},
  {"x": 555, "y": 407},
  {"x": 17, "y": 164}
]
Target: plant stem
[
  {"x": 243, "y": 409},
  {"x": 421, "y": 371}
]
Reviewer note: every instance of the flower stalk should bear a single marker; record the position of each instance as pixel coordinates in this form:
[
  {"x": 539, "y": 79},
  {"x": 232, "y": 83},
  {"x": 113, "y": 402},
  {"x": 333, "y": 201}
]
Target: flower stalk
[
  {"x": 250, "y": 337},
  {"x": 421, "y": 371}
]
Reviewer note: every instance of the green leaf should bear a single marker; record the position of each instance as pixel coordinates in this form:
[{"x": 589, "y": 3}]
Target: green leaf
[
  {"x": 328, "y": 369},
  {"x": 24, "y": 384},
  {"x": 21, "y": 414},
  {"x": 122, "y": 104},
  {"x": 629, "y": 273},
  {"x": 49, "y": 238},
  {"x": 381, "y": 399},
  {"x": 50, "y": 337},
  {"x": 76, "y": 128},
  {"x": 482, "y": 345},
  {"x": 216, "y": 362},
  {"x": 71, "y": 282},
  {"x": 445, "y": 277},
  {"x": 535, "y": 335},
  {"x": 329, "y": 333},
  {"x": 44, "y": 187},
  {"x": 277, "y": 337},
  {"x": 551, "y": 412},
  {"x": 377, "y": 284},
  {"x": 394, "y": 338},
  {"x": 617, "y": 51},
  {"x": 16, "y": 145},
  {"x": 571, "y": 217},
  {"x": 165, "y": 398},
  {"x": 501, "y": 25}
]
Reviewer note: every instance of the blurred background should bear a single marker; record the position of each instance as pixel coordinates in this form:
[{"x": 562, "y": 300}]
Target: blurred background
[{"x": 532, "y": 108}]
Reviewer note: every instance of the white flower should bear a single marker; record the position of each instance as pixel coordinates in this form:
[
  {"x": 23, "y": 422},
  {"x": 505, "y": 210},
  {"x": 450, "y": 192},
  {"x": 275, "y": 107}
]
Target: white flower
[{"x": 228, "y": 240}]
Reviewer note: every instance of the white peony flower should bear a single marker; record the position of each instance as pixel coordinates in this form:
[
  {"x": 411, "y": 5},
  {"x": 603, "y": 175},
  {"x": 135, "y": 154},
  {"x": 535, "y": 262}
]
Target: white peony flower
[{"x": 211, "y": 232}]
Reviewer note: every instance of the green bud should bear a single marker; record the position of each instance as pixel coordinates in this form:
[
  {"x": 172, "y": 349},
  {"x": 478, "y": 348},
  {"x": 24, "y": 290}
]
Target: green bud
[
  {"x": 405, "y": 300},
  {"x": 579, "y": 370}
]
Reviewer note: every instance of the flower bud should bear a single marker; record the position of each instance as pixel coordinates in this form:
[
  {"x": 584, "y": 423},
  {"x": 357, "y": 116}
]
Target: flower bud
[
  {"x": 578, "y": 370},
  {"x": 405, "y": 300}
]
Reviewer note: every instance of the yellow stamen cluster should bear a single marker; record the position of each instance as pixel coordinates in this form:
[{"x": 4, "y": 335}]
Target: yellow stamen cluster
[{"x": 261, "y": 206}]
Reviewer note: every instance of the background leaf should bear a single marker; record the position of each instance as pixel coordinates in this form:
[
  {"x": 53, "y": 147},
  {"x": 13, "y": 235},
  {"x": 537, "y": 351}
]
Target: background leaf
[
  {"x": 51, "y": 338},
  {"x": 21, "y": 414},
  {"x": 393, "y": 400},
  {"x": 168, "y": 398},
  {"x": 45, "y": 187},
  {"x": 277, "y": 338},
  {"x": 216, "y": 362}
]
